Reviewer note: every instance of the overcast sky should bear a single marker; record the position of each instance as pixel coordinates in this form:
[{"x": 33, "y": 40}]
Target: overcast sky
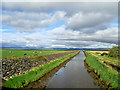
[{"x": 59, "y": 25}]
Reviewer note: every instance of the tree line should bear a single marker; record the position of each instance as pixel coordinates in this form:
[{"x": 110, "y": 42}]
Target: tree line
[{"x": 113, "y": 52}]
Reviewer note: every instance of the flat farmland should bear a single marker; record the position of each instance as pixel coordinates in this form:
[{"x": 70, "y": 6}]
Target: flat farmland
[
  {"x": 99, "y": 52},
  {"x": 10, "y": 53}
]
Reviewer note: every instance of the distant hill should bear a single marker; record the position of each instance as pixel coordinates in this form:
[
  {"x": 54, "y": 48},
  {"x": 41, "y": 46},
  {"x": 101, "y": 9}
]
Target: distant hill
[{"x": 31, "y": 48}]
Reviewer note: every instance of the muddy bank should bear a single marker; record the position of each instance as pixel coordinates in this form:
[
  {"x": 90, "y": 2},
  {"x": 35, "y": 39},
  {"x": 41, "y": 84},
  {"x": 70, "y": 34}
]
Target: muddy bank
[
  {"x": 96, "y": 76},
  {"x": 43, "y": 81}
]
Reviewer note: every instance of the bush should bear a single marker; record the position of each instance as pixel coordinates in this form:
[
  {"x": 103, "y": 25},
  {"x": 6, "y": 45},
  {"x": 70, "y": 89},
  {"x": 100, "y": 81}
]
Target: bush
[
  {"x": 41, "y": 58},
  {"x": 104, "y": 54},
  {"x": 25, "y": 54},
  {"x": 98, "y": 53}
]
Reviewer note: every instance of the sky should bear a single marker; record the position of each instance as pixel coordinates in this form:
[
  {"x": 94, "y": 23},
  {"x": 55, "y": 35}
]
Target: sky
[{"x": 59, "y": 24}]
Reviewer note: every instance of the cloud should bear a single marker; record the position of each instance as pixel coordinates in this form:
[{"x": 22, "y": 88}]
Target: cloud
[
  {"x": 90, "y": 21},
  {"x": 61, "y": 1},
  {"x": 29, "y": 22},
  {"x": 71, "y": 38},
  {"x": 58, "y": 46},
  {"x": 109, "y": 7},
  {"x": 62, "y": 38},
  {"x": 35, "y": 39},
  {"x": 30, "y": 16},
  {"x": 38, "y": 24}
]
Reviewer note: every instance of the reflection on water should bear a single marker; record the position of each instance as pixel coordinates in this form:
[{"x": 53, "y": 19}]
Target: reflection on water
[
  {"x": 72, "y": 74},
  {"x": 42, "y": 82}
]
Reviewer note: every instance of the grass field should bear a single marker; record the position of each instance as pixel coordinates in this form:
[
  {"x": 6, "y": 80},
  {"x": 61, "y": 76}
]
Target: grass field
[
  {"x": 110, "y": 60},
  {"x": 8, "y": 53},
  {"x": 107, "y": 74},
  {"x": 23, "y": 80}
]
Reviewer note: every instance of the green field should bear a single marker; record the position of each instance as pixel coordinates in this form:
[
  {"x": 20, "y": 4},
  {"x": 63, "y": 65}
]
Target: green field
[
  {"x": 107, "y": 59},
  {"x": 8, "y": 53},
  {"x": 107, "y": 74}
]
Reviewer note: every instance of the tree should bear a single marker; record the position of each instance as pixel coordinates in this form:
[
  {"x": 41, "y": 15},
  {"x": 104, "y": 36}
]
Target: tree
[{"x": 115, "y": 51}]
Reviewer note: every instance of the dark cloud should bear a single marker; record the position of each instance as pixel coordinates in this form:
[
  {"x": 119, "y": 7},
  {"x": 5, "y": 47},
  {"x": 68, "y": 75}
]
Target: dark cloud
[{"x": 90, "y": 21}]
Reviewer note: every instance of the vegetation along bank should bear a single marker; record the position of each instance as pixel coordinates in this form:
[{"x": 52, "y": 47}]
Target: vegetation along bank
[{"x": 105, "y": 73}]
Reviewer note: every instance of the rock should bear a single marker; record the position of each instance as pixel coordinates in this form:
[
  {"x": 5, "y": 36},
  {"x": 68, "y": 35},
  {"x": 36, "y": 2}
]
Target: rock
[{"x": 13, "y": 67}]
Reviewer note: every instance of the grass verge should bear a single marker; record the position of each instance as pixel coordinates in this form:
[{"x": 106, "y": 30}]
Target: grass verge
[
  {"x": 23, "y": 80},
  {"x": 108, "y": 75}
]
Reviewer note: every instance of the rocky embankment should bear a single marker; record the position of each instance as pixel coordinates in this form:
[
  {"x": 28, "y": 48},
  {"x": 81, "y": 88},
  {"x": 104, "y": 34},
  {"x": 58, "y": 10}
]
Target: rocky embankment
[{"x": 15, "y": 67}]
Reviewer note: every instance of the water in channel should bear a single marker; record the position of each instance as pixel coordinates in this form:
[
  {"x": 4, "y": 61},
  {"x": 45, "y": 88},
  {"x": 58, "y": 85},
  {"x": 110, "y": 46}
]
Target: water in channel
[{"x": 72, "y": 74}]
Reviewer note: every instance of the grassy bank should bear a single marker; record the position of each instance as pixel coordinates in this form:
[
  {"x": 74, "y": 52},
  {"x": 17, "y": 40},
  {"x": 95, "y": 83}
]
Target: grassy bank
[
  {"x": 108, "y": 75},
  {"x": 23, "y": 80}
]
